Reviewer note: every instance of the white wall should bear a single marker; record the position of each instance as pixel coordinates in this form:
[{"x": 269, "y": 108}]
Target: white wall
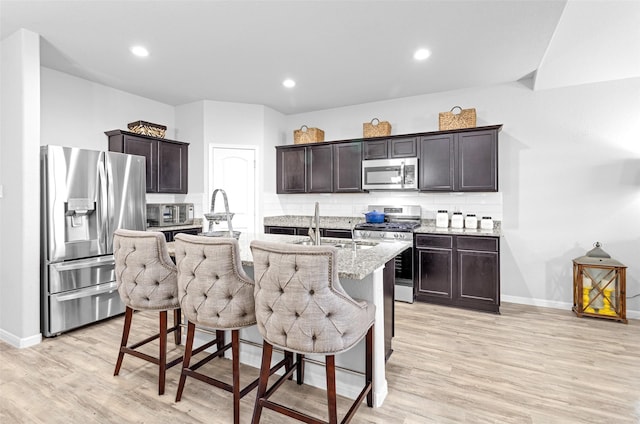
[
  {"x": 77, "y": 112},
  {"x": 569, "y": 175},
  {"x": 19, "y": 177}
]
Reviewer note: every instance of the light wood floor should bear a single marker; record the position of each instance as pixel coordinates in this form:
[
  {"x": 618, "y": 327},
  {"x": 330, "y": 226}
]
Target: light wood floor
[{"x": 527, "y": 365}]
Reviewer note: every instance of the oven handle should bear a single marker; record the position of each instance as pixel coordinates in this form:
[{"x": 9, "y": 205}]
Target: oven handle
[{"x": 402, "y": 176}]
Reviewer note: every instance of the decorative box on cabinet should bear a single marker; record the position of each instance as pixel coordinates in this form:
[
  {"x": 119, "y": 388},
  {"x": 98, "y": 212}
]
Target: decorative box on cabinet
[
  {"x": 458, "y": 270},
  {"x": 166, "y": 160},
  {"x": 459, "y": 160}
]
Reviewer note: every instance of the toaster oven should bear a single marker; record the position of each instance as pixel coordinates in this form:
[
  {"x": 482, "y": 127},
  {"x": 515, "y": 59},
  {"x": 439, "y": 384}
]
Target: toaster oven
[{"x": 168, "y": 214}]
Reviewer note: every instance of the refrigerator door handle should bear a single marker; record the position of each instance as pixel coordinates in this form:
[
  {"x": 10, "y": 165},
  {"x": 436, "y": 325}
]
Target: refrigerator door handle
[
  {"x": 86, "y": 292},
  {"x": 102, "y": 207}
]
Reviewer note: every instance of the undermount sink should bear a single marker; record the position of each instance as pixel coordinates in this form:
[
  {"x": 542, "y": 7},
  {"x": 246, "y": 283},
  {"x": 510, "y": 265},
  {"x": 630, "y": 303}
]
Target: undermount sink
[{"x": 339, "y": 245}]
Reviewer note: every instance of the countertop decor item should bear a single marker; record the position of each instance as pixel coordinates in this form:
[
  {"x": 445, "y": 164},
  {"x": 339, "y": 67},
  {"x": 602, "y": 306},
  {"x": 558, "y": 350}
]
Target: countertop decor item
[
  {"x": 215, "y": 218},
  {"x": 442, "y": 219},
  {"x": 308, "y": 135},
  {"x": 147, "y": 128},
  {"x": 376, "y": 128},
  {"x": 374, "y": 217},
  {"x": 599, "y": 286},
  {"x": 457, "y": 221},
  {"x": 466, "y": 118},
  {"x": 471, "y": 221}
]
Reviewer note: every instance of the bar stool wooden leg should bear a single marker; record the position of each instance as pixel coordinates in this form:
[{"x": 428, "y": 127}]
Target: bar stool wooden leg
[
  {"x": 188, "y": 349},
  {"x": 299, "y": 368},
  {"x": 162, "y": 357},
  {"x": 235, "y": 353},
  {"x": 267, "y": 351},
  {"x": 331, "y": 389},
  {"x": 177, "y": 321},
  {"x": 369, "y": 366},
  {"x": 128, "y": 315}
]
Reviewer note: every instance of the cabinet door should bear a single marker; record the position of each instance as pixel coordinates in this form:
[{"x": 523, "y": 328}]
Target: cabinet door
[
  {"x": 192, "y": 231},
  {"x": 280, "y": 230},
  {"x": 375, "y": 149},
  {"x": 403, "y": 147},
  {"x": 336, "y": 233},
  {"x": 436, "y": 163},
  {"x": 478, "y": 276},
  {"x": 148, "y": 149},
  {"x": 172, "y": 167},
  {"x": 477, "y": 161},
  {"x": 320, "y": 169},
  {"x": 291, "y": 170},
  {"x": 347, "y": 167},
  {"x": 435, "y": 275}
]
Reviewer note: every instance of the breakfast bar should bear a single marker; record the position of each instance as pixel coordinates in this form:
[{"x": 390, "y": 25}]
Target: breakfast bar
[{"x": 366, "y": 271}]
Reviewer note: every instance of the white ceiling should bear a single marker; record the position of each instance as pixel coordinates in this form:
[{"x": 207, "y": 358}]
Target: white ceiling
[{"x": 339, "y": 52}]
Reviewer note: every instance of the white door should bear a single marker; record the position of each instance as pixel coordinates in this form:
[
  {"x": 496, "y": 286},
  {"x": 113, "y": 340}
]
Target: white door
[{"x": 233, "y": 170}]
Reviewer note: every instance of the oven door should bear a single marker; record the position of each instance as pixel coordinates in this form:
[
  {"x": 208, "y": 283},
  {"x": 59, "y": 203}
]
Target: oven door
[{"x": 404, "y": 276}]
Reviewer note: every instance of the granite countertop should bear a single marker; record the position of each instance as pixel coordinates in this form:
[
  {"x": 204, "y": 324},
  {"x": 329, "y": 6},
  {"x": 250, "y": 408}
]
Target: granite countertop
[
  {"x": 352, "y": 264},
  {"x": 346, "y": 223},
  {"x": 333, "y": 222},
  {"x": 430, "y": 228}
]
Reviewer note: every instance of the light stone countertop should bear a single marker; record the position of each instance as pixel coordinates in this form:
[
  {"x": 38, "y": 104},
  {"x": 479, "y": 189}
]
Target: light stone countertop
[
  {"x": 333, "y": 222},
  {"x": 352, "y": 264},
  {"x": 346, "y": 223}
]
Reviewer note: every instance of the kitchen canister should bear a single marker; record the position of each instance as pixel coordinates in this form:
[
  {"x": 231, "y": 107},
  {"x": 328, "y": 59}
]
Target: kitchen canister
[
  {"x": 486, "y": 223},
  {"x": 471, "y": 221},
  {"x": 456, "y": 220},
  {"x": 442, "y": 219}
]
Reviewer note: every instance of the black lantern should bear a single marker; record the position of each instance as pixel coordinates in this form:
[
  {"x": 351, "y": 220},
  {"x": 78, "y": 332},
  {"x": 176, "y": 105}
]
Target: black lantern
[{"x": 599, "y": 286}]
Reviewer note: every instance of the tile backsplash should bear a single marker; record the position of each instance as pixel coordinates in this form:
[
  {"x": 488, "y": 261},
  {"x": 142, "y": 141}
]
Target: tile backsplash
[{"x": 481, "y": 204}]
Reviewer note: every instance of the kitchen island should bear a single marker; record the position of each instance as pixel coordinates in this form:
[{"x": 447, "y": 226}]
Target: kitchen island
[{"x": 363, "y": 271}]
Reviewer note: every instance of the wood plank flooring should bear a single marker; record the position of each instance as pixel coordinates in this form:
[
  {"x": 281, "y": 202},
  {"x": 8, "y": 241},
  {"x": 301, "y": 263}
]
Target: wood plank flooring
[{"x": 527, "y": 365}]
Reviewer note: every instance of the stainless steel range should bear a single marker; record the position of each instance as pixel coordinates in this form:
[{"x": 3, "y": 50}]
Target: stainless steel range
[{"x": 399, "y": 223}]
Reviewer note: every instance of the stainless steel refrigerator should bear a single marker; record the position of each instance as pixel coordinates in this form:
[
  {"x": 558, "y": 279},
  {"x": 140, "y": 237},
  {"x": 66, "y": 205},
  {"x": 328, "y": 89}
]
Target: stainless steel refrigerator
[{"x": 85, "y": 196}]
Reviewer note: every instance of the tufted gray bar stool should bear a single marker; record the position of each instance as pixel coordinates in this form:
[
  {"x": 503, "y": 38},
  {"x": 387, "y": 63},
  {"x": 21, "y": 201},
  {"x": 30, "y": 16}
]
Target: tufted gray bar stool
[
  {"x": 302, "y": 308},
  {"x": 147, "y": 281},
  {"x": 215, "y": 294}
]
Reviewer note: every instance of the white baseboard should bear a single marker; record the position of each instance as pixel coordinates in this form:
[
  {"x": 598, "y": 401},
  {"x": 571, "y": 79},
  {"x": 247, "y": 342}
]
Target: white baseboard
[
  {"x": 553, "y": 304},
  {"x": 18, "y": 342}
]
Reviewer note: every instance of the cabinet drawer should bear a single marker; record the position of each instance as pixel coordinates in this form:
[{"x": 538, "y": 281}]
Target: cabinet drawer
[
  {"x": 442, "y": 242},
  {"x": 487, "y": 244}
]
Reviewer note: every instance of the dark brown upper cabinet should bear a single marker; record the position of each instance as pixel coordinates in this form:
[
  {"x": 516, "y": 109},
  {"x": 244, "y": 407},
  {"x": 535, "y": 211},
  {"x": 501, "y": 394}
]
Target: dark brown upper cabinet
[
  {"x": 291, "y": 170},
  {"x": 347, "y": 167},
  {"x": 166, "y": 160},
  {"x": 319, "y": 168},
  {"x": 459, "y": 161},
  {"x": 404, "y": 147},
  {"x": 453, "y": 160}
]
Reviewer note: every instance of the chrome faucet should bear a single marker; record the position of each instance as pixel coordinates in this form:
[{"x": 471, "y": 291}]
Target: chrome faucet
[{"x": 314, "y": 234}]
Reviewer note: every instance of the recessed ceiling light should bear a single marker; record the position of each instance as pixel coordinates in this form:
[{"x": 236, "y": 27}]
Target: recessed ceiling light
[
  {"x": 421, "y": 54},
  {"x": 289, "y": 83},
  {"x": 139, "y": 51}
]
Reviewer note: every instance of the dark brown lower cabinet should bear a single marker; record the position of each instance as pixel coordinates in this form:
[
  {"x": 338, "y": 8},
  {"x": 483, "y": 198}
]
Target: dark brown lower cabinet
[
  {"x": 461, "y": 271},
  {"x": 303, "y": 231},
  {"x": 169, "y": 235}
]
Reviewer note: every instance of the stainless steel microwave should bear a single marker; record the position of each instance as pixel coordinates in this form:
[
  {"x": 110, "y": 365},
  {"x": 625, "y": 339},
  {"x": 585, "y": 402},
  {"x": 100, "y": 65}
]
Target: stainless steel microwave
[
  {"x": 168, "y": 214},
  {"x": 390, "y": 174}
]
